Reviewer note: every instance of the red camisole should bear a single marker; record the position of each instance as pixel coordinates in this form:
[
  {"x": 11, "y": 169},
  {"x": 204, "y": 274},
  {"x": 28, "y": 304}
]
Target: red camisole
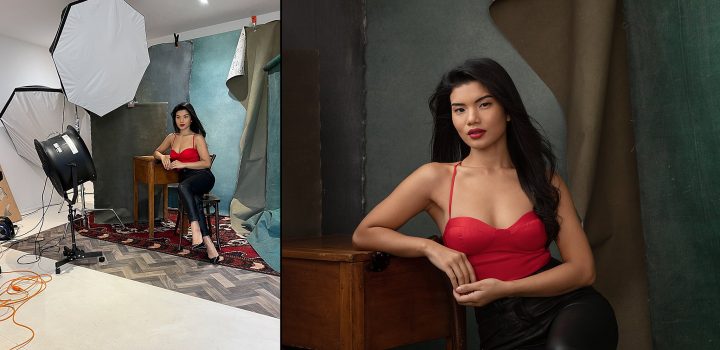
[
  {"x": 506, "y": 254},
  {"x": 188, "y": 155}
]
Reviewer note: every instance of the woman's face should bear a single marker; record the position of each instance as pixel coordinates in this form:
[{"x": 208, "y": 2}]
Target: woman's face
[
  {"x": 478, "y": 117},
  {"x": 182, "y": 119}
]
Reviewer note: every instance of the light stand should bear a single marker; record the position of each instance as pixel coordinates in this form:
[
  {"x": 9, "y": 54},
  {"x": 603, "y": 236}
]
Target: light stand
[
  {"x": 66, "y": 161},
  {"x": 74, "y": 253}
]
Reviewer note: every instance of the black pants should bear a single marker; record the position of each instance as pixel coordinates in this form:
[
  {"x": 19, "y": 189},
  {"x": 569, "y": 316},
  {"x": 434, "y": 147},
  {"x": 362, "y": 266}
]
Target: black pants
[
  {"x": 194, "y": 183},
  {"x": 581, "y": 319}
]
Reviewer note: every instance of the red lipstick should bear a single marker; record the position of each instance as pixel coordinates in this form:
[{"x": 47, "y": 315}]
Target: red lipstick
[{"x": 476, "y": 133}]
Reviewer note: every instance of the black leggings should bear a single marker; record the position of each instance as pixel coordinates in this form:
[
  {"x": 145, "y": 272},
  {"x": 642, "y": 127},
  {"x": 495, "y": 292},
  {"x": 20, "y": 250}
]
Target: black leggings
[
  {"x": 194, "y": 183},
  {"x": 581, "y": 319}
]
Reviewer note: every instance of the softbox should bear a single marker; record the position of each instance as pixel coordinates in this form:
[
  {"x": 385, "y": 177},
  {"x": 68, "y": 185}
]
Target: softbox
[
  {"x": 100, "y": 53},
  {"x": 39, "y": 112}
]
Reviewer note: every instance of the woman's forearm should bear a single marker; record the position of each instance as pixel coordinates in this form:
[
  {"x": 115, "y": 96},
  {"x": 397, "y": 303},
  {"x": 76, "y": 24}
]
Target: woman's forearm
[
  {"x": 390, "y": 241},
  {"x": 197, "y": 165},
  {"x": 561, "y": 279},
  {"x": 157, "y": 155}
]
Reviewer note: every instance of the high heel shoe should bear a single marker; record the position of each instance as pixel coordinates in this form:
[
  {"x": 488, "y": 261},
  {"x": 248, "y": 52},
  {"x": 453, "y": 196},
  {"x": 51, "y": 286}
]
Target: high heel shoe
[
  {"x": 216, "y": 260},
  {"x": 198, "y": 246}
]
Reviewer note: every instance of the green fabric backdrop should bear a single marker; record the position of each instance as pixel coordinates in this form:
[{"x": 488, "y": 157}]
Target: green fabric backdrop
[{"x": 674, "y": 47}]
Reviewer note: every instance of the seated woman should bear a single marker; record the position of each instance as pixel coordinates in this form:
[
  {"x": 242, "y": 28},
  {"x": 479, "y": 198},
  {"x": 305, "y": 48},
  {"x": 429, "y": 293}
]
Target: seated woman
[
  {"x": 493, "y": 192},
  {"x": 189, "y": 154}
]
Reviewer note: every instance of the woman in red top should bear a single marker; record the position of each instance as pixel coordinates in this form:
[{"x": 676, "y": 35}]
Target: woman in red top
[
  {"x": 493, "y": 192},
  {"x": 189, "y": 154}
]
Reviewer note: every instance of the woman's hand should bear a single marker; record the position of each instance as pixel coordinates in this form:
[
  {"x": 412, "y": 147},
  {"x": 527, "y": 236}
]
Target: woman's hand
[
  {"x": 455, "y": 264},
  {"x": 481, "y": 293},
  {"x": 177, "y": 165},
  {"x": 165, "y": 159}
]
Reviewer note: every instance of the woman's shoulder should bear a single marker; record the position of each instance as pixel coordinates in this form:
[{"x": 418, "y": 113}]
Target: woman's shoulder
[{"x": 433, "y": 171}]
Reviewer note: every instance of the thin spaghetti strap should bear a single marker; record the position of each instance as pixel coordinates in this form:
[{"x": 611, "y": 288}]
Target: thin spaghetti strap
[
  {"x": 452, "y": 187},
  {"x": 193, "y": 140}
]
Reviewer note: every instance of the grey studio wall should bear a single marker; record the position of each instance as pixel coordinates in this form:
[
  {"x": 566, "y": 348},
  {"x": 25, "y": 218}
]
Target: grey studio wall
[{"x": 323, "y": 116}]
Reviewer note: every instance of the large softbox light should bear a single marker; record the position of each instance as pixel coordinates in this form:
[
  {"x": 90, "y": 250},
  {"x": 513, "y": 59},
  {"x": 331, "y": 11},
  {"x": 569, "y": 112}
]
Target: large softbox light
[
  {"x": 39, "y": 112},
  {"x": 100, "y": 52}
]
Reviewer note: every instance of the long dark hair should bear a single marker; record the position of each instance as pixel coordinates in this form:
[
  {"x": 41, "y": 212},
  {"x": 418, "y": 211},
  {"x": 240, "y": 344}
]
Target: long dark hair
[
  {"x": 530, "y": 151},
  {"x": 195, "y": 124}
]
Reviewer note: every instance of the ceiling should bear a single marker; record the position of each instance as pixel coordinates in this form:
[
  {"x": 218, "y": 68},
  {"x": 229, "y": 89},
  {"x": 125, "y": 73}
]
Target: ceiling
[{"x": 37, "y": 21}]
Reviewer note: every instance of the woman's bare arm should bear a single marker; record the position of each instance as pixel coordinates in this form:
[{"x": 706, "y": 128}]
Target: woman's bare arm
[
  {"x": 159, "y": 152},
  {"x": 378, "y": 230}
]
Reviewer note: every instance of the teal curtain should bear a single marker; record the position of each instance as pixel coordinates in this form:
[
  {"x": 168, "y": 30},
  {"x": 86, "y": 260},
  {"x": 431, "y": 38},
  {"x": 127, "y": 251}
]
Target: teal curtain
[{"x": 265, "y": 226}]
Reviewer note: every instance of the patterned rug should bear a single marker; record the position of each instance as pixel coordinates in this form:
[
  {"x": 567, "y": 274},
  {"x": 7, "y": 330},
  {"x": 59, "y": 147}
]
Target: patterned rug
[{"x": 235, "y": 249}]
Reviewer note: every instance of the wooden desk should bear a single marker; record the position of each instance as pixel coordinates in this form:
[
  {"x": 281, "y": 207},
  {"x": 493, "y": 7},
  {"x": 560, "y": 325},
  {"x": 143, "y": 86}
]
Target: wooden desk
[
  {"x": 147, "y": 169},
  {"x": 331, "y": 299}
]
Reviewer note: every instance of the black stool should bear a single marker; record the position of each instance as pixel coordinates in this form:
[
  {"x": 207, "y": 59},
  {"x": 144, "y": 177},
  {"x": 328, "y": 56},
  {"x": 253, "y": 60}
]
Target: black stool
[{"x": 209, "y": 201}]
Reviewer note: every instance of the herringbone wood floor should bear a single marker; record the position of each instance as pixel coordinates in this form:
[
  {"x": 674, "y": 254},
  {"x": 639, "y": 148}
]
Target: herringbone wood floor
[{"x": 229, "y": 286}]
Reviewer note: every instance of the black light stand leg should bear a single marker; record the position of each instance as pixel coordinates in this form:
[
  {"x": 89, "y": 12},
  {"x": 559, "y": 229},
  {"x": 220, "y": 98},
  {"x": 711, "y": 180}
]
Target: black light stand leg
[{"x": 74, "y": 253}]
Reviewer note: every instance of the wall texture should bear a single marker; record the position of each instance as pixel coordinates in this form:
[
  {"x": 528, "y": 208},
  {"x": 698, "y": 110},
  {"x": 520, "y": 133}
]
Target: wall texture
[
  {"x": 125, "y": 132},
  {"x": 167, "y": 78},
  {"x": 674, "y": 89},
  {"x": 335, "y": 30}
]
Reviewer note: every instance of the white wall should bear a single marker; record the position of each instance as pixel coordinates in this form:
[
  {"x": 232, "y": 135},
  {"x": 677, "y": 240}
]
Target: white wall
[
  {"x": 216, "y": 29},
  {"x": 21, "y": 64}
]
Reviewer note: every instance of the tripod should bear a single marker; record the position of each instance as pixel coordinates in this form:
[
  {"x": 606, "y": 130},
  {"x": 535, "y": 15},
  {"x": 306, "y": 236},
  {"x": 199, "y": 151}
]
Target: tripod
[{"x": 74, "y": 253}]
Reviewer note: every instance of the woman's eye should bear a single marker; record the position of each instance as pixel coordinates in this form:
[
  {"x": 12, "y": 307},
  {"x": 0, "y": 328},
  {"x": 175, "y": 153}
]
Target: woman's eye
[
  {"x": 485, "y": 105},
  {"x": 459, "y": 110}
]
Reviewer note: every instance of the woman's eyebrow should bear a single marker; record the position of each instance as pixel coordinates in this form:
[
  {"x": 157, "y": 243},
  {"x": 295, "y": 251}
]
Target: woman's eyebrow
[{"x": 476, "y": 101}]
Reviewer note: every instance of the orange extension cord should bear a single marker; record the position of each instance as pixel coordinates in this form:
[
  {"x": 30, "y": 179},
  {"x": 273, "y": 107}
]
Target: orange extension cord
[{"x": 16, "y": 292}]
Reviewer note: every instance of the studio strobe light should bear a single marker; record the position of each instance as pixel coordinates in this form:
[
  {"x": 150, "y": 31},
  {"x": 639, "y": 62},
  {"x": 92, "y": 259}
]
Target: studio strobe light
[
  {"x": 67, "y": 163},
  {"x": 7, "y": 229}
]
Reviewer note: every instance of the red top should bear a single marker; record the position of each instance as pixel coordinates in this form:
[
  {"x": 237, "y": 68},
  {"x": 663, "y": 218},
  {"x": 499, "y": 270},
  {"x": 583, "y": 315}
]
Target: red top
[
  {"x": 188, "y": 155},
  {"x": 506, "y": 254}
]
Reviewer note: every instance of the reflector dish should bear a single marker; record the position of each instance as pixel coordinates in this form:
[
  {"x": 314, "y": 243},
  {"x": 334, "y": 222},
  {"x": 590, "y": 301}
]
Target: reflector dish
[{"x": 60, "y": 154}]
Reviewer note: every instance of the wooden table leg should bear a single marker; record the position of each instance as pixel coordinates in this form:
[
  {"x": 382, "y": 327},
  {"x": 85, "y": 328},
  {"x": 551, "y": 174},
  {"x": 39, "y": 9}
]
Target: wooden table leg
[
  {"x": 135, "y": 201},
  {"x": 151, "y": 206},
  {"x": 165, "y": 202}
]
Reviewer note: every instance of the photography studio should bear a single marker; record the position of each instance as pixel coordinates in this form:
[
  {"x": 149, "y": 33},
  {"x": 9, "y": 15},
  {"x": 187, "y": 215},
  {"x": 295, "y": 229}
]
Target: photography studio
[{"x": 139, "y": 174}]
